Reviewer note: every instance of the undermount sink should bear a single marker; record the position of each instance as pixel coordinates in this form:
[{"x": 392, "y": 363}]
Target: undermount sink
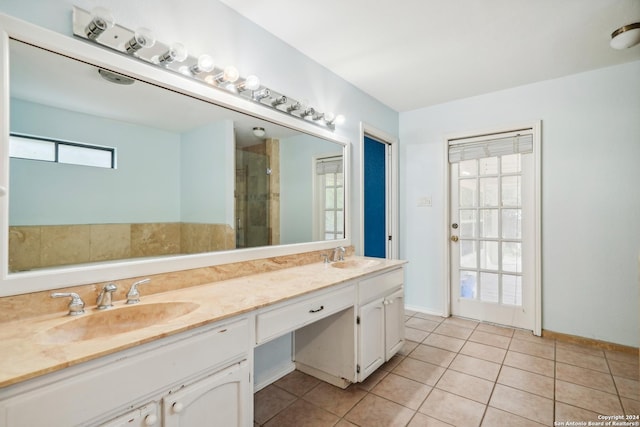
[
  {"x": 116, "y": 321},
  {"x": 355, "y": 263}
]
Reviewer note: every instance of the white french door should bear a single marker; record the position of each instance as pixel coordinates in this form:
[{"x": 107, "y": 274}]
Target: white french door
[{"x": 493, "y": 229}]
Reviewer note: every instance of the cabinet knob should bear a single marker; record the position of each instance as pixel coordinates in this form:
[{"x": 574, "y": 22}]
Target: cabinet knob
[
  {"x": 177, "y": 407},
  {"x": 150, "y": 419}
]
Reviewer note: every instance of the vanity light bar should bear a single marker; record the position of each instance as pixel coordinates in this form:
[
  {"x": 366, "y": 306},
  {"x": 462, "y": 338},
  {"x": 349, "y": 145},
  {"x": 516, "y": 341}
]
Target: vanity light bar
[{"x": 98, "y": 27}]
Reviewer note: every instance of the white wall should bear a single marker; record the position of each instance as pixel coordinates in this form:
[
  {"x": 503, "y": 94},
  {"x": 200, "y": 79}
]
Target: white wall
[
  {"x": 45, "y": 193},
  {"x": 205, "y": 172},
  {"x": 590, "y": 196}
]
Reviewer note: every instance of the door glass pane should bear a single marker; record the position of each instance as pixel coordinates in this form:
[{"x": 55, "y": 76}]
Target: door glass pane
[
  {"x": 467, "y": 192},
  {"x": 489, "y": 223},
  {"x": 329, "y": 220},
  {"x": 489, "y": 255},
  {"x": 468, "y": 255},
  {"x": 468, "y": 284},
  {"x": 512, "y": 257},
  {"x": 489, "y": 287},
  {"x": 329, "y": 198},
  {"x": 511, "y": 163},
  {"x": 467, "y": 223},
  {"x": 468, "y": 168},
  {"x": 489, "y": 166},
  {"x": 511, "y": 223},
  {"x": 511, "y": 191},
  {"x": 488, "y": 191},
  {"x": 511, "y": 289}
]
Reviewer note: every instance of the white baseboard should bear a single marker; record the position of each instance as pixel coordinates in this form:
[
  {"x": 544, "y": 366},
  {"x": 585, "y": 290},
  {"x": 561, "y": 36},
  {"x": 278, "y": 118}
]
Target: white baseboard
[
  {"x": 274, "y": 376},
  {"x": 423, "y": 310}
]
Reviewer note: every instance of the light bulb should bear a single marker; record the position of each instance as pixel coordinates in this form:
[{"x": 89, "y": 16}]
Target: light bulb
[
  {"x": 251, "y": 83},
  {"x": 329, "y": 117},
  {"x": 230, "y": 74},
  {"x": 101, "y": 20},
  {"x": 176, "y": 53},
  {"x": 205, "y": 64},
  {"x": 143, "y": 37},
  {"x": 340, "y": 119}
]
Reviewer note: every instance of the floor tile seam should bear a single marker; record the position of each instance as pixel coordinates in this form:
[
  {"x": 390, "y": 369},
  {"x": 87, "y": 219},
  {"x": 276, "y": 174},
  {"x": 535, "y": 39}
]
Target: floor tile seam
[
  {"x": 615, "y": 385},
  {"x": 493, "y": 389},
  {"x": 588, "y": 369},
  {"x": 553, "y": 412},
  {"x": 293, "y": 394},
  {"x": 281, "y": 410},
  {"x": 529, "y": 354},
  {"x": 431, "y": 388},
  {"x": 459, "y": 395},
  {"x": 616, "y": 395},
  {"x": 470, "y": 374},
  {"x": 333, "y": 413},
  {"x": 344, "y": 417},
  {"x": 564, "y": 362},
  {"x": 491, "y": 345}
]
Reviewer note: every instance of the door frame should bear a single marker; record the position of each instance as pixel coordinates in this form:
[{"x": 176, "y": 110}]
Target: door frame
[
  {"x": 392, "y": 186},
  {"x": 536, "y": 126}
]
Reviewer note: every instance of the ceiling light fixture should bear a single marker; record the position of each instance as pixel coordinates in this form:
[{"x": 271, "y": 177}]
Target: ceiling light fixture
[
  {"x": 259, "y": 132},
  {"x": 143, "y": 46},
  {"x": 626, "y": 36}
]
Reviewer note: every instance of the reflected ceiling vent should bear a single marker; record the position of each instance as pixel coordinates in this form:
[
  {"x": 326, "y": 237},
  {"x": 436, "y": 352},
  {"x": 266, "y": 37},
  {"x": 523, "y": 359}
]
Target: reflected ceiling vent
[{"x": 116, "y": 78}]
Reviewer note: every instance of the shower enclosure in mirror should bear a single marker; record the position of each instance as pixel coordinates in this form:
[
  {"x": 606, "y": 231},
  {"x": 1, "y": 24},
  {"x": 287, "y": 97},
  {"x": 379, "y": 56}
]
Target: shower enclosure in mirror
[{"x": 177, "y": 175}]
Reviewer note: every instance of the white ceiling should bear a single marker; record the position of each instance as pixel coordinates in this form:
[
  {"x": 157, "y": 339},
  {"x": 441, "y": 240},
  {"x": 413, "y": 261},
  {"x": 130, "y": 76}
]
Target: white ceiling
[{"x": 415, "y": 53}]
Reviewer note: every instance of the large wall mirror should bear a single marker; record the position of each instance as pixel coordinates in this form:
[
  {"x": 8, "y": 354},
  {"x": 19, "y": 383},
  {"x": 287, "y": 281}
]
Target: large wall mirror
[{"x": 115, "y": 175}]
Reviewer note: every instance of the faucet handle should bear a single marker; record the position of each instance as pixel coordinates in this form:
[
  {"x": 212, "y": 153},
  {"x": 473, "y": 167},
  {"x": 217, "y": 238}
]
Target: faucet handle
[
  {"x": 104, "y": 298},
  {"x": 133, "y": 296},
  {"x": 76, "y": 306}
]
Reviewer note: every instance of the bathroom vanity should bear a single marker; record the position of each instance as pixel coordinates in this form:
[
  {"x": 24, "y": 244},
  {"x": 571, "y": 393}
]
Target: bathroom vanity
[{"x": 347, "y": 316}]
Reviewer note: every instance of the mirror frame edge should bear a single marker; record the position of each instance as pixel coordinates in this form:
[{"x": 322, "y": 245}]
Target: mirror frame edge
[{"x": 41, "y": 280}]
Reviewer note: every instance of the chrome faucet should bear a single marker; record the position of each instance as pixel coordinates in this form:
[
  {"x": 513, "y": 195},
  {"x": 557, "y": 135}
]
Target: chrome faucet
[
  {"x": 133, "y": 296},
  {"x": 76, "y": 306},
  {"x": 338, "y": 253},
  {"x": 105, "y": 297}
]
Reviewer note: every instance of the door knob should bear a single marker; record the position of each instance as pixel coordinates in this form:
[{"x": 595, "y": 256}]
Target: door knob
[{"x": 454, "y": 238}]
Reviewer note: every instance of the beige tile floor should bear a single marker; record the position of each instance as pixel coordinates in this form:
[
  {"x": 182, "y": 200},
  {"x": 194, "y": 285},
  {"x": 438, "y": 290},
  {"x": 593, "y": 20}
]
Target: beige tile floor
[{"x": 455, "y": 372}]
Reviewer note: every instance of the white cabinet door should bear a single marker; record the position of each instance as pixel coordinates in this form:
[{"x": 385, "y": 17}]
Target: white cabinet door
[
  {"x": 223, "y": 399},
  {"x": 394, "y": 323},
  {"x": 371, "y": 352}
]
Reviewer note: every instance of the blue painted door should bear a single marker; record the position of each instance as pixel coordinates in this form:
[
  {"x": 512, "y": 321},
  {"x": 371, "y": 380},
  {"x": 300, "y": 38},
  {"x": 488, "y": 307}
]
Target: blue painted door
[{"x": 375, "y": 198}]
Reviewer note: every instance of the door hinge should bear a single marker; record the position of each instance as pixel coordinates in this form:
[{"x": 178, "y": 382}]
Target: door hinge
[
  {"x": 390, "y": 238},
  {"x": 357, "y": 369},
  {"x": 357, "y": 320}
]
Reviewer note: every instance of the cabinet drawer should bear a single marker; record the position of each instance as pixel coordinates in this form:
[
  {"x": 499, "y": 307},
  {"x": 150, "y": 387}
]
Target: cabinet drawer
[
  {"x": 300, "y": 312},
  {"x": 375, "y": 286}
]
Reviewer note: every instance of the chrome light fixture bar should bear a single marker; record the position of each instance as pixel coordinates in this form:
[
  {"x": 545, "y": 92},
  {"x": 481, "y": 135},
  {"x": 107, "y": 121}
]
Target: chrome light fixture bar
[{"x": 98, "y": 27}]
